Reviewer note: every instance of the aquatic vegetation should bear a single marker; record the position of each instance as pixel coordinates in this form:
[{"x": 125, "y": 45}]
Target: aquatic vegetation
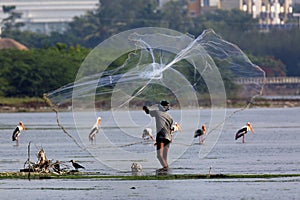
[{"x": 98, "y": 175}]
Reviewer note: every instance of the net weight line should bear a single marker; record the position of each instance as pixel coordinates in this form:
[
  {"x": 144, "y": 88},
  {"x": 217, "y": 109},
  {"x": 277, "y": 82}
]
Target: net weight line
[
  {"x": 49, "y": 103},
  {"x": 53, "y": 107}
]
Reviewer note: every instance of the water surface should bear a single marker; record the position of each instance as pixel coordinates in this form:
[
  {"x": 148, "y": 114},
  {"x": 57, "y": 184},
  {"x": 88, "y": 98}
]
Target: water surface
[{"x": 274, "y": 148}]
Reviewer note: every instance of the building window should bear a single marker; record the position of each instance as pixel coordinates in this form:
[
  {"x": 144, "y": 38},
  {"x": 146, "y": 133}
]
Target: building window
[{"x": 205, "y": 2}]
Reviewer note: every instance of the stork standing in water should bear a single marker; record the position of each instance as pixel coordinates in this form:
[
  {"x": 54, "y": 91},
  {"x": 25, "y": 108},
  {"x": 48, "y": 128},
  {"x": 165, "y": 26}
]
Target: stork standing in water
[
  {"x": 174, "y": 128},
  {"x": 200, "y": 133},
  {"x": 17, "y": 132},
  {"x": 147, "y": 133},
  {"x": 243, "y": 131},
  {"x": 94, "y": 131}
]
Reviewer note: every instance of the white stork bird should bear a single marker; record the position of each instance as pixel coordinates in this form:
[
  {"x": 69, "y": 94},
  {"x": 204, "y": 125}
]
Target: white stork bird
[
  {"x": 17, "y": 132},
  {"x": 175, "y": 127},
  {"x": 147, "y": 133},
  {"x": 243, "y": 131},
  {"x": 94, "y": 130}
]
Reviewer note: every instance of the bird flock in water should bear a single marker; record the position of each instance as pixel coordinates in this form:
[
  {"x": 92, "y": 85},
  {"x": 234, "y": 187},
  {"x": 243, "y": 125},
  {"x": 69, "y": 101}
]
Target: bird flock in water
[{"x": 146, "y": 135}]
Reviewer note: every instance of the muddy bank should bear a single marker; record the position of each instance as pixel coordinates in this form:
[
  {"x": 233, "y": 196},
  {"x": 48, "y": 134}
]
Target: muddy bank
[
  {"x": 41, "y": 106},
  {"x": 98, "y": 175}
]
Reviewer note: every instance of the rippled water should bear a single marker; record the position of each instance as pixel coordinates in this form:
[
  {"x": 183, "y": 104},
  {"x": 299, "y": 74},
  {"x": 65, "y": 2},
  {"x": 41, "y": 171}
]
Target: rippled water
[{"x": 274, "y": 148}]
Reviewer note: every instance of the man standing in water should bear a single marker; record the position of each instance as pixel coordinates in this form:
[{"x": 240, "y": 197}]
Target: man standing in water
[{"x": 163, "y": 129}]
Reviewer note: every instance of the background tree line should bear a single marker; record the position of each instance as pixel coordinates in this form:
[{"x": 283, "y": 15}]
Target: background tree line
[
  {"x": 53, "y": 60},
  {"x": 34, "y": 72}
]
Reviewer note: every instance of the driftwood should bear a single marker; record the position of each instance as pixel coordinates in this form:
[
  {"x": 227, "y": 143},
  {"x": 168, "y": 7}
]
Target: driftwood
[{"x": 42, "y": 164}]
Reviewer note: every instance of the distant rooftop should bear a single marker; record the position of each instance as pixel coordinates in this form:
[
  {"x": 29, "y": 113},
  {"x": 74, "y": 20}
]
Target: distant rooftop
[{"x": 7, "y": 43}]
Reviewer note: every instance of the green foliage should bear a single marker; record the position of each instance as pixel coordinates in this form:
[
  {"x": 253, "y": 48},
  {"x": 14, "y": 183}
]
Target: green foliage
[
  {"x": 235, "y": 26},
  {"x": 112, "y": 17},
  {"x": 34, "y": 72},
  {"x": 280, "y": 45},
  {"x": 174, "y": 17},
  {"x": 271, "y": 66},
  {"x": 36, "y": 40},
  {"x": 229, "y": 21},
  {"x": 55, "y": 59}
]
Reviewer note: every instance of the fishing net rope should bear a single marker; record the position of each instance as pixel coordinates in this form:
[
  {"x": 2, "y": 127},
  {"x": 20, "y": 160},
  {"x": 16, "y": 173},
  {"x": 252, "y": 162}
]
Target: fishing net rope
[{"x": 142, "y": 66}]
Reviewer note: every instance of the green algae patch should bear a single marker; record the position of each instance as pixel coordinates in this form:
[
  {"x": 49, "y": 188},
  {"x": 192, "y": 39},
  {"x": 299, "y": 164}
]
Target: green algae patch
[
  {"x": 207, "y": 176},
  {"x": 87, "y": 175}
]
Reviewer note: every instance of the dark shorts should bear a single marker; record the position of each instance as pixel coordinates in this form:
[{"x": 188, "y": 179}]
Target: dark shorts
[{"x": 164, "y": 141}]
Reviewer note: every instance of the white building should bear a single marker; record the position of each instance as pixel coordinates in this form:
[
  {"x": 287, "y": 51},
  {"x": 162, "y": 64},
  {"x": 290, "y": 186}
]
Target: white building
[
  {"x": 214, "y": 3},
  {"x": 267, "y": 11},
  {"x": 203, "y": 3},
  {"x": 45, "y": 16}
]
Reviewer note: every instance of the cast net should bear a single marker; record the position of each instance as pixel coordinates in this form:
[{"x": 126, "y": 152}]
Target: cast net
[{"x": 143, "y": 66}]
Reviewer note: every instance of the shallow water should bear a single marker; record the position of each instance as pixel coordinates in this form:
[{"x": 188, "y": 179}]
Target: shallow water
[
  {"x": 274, "y": 148},
  {"x": 151, "y": 189}
]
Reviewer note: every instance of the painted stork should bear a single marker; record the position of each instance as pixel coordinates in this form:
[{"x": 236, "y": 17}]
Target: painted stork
[
  {"x": 17, "y": 132},
  {"x": 94, "y": 130}
]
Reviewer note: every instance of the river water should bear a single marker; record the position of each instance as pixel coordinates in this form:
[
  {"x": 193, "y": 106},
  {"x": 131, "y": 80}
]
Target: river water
[{"x": 274, "y": 148}]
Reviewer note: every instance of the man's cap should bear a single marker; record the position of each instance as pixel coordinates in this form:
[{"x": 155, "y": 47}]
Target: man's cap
[{"x": 164, "y": 103}]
